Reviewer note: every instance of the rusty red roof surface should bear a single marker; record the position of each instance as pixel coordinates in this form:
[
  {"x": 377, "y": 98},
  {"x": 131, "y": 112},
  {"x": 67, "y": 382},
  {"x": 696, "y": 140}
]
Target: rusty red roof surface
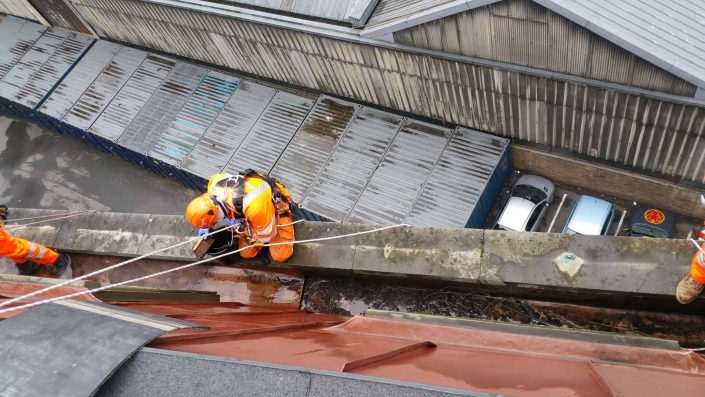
[{"x": 456, "y": 357}]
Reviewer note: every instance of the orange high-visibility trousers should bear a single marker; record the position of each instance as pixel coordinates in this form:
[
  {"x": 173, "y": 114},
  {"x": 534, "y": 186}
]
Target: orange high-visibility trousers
[
  {"x": 20, "y": 250},
  {"x": 697, "y": 267},
  {"x": 284, "y": 234}
]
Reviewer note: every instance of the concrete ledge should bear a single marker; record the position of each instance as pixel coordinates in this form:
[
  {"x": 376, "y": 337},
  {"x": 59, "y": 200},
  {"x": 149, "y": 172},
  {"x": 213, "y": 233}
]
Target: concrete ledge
[{"x": 507, "y": 262}]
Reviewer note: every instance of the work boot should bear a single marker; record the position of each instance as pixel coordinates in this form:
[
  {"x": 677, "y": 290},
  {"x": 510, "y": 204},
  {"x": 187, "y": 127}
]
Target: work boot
[
  {"x": 27, "y": 268},
  {"x": 688, "y": 289},
  {"x": 63, "y": 262}
]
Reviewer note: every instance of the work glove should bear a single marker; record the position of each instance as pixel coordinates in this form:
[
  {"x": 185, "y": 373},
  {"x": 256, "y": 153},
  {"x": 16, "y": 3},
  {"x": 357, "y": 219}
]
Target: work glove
[
  {"x": 202, "y": 232},
  {"x": 3, "y": 212}
]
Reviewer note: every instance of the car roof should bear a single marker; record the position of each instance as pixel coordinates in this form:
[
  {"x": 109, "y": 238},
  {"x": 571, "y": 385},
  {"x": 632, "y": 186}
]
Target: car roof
[
  {"x": 536, "y": 181},
  {"x": 516, "y": 213},
  {"x": 589, "y": 215},
  {"x": 639, "y": 220}
]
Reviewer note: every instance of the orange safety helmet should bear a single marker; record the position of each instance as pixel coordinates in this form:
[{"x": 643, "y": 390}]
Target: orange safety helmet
[{"x": 202, "y": 212}]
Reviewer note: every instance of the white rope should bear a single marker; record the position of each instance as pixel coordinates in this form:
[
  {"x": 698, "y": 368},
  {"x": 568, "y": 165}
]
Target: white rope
[
  {"x": 292, "y": 223},
  {"x": 103, "y": 288},
  {"x": 45, "y": 216},
  {"x": 15, "y": 227},
  {"x": 115, "y": 266},
  {"x": 697, "y": 245}
]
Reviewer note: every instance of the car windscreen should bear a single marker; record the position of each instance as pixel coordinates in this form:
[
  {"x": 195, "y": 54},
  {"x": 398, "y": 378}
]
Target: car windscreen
[{"x": 529, "y": 193}]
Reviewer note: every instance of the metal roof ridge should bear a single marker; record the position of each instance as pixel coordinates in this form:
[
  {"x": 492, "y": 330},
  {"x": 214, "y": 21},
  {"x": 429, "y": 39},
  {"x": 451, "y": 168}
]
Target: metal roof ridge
[{"x": 354, "y": 35}]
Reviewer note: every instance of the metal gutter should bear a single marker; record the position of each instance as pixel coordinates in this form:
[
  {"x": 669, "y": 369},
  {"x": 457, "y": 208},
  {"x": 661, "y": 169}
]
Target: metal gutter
[{"x": 352, "y": 35}]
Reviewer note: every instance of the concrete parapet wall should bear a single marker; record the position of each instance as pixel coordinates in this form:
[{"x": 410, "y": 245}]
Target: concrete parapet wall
[{"x": 589, "y": 265}]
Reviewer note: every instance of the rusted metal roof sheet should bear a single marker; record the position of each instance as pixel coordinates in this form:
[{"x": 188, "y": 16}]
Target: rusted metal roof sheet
[
  {"x": 229, "y": 129},
  {"x": 21, "y": 73},
  {"x": 15, "y": 46},
  {"x": 51, "y": 71},
  {"x": 501, "y": 361},
  {"x": 343, "y": 179},
  {"x": 162, "y": 107},
  {"x": 194, "y": 118},
  {"x": 271, "y": 134},
  {"x": 104, "y": 88},
  {"x": 458, "y": 180},
  {"x": 79, "y": 79},
  {"x": 398, "y": 181},
  {"x": 313, "y": 144},
  {"x": 132, "y": 97}
]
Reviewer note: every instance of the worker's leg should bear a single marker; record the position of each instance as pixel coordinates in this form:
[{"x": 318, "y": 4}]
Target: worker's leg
[
  {"x": 20, "y": 251},
  {"x": 249, "y": 252},
  {"x": 692, "y": 285},
  {"x": 697, "y": 270},
  {"x": 281, "y": 253}
]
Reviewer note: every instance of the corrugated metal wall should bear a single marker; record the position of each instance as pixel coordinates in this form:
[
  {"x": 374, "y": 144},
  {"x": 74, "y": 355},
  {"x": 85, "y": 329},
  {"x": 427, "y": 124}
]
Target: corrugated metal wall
[
  {"x": 525, "y": 33},
  {"x": 17, "y": 8},
  {"x": 628, "y": 128}
]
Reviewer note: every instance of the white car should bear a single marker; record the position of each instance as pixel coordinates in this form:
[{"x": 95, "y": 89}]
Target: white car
[{"x": 527, "y": 204}]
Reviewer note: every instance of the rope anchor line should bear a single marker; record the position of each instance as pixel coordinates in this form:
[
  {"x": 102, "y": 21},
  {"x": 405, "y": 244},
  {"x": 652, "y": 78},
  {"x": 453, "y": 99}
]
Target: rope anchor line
[{"x": 105, "y": 287}]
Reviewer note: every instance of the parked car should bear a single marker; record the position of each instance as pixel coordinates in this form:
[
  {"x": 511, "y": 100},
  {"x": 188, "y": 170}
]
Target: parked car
[
  {"x": 651, "y": 222},
  {"x": 590, "y": 216},
  {"x": 527, "y": 204}
]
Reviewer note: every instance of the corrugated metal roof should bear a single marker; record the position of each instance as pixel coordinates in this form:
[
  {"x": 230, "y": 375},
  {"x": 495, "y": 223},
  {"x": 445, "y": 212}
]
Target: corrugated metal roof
[
  {"x": 402, "y": 174},
  {"x": 16, "y": 46},
  {"x": 22, "y": 72},
  {"x": 458, "y": 180},
  {"x": 313, "y": 144},
  {"x": 194, "y": 118},
  {"x": 344, "y": 177},
  {"x": 132, "y": 97},
  {"x": 8, "y": 28},
  {"x": 669, "y": 33},
  {"x": 351, "y": 11},
  {"x": 229, "y": 129},
  {"x": 268, "y": 138},
  {"x": 46, "y": 77},
  {"x": 104, "y": 88},
  {"x": 80, "y": 78},
  {"x": 162, "y": 107},
  {"x": 19, "y": 8}
]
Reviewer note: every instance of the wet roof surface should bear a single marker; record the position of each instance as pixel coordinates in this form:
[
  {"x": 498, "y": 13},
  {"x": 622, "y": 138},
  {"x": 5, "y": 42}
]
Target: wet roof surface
[
  {"x": 341, "y": 160},
  {"x": 456, "y": 357}
]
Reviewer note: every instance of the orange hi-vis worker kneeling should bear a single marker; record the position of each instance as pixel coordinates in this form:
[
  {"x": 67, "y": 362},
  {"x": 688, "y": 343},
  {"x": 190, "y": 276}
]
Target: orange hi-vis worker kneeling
[
  {"x": 20, "y": 250},
  {"x": 256, "y": 200},
  {"x": 27, "y": 254}
]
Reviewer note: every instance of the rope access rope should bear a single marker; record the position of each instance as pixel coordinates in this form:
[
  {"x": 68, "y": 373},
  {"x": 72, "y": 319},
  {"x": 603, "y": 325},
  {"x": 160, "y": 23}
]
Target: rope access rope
[
  {"x": 103, "y": 288},
  {"x": 115, "y": 266},
  {"x": 15, "y": 227},
  {"x": 46, "y": 216}
]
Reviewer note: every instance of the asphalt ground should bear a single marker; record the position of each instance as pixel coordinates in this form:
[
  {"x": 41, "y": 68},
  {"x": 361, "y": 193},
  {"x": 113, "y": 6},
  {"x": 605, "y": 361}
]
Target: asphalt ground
[
  {"x": 683, "y": 226},
  {"x": 40, "y": 168}
]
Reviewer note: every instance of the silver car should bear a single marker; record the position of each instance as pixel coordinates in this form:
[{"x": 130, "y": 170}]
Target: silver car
[{"x": 527, "y": 204}]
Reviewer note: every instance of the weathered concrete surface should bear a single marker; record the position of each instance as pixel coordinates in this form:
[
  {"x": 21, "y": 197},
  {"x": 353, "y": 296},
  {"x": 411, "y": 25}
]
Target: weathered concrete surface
[
  {"x": 499, "y": 261},
  {"x": 40, "y": 168},
  {"x": 608, "y": 180},
  {"x": 651, "y": 266},
  {"x": 445, "y": 254}
]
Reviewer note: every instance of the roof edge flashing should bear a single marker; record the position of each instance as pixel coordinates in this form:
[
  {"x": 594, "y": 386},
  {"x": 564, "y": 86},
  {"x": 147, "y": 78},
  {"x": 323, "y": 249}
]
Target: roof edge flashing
[
  {"x": 424, "y": 16},
  {"x": 361, "y": 11}
]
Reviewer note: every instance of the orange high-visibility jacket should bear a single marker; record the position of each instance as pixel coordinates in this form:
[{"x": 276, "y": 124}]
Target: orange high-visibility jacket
[
  {"x": 20, "y": 250},
  {"x": 257, "y": 205}
]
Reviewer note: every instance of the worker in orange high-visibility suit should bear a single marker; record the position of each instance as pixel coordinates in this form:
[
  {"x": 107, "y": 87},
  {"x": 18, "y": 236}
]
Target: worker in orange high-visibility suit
[
  {"x": 260, "y": 206},
  {"x": 29, "y": 256}
]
